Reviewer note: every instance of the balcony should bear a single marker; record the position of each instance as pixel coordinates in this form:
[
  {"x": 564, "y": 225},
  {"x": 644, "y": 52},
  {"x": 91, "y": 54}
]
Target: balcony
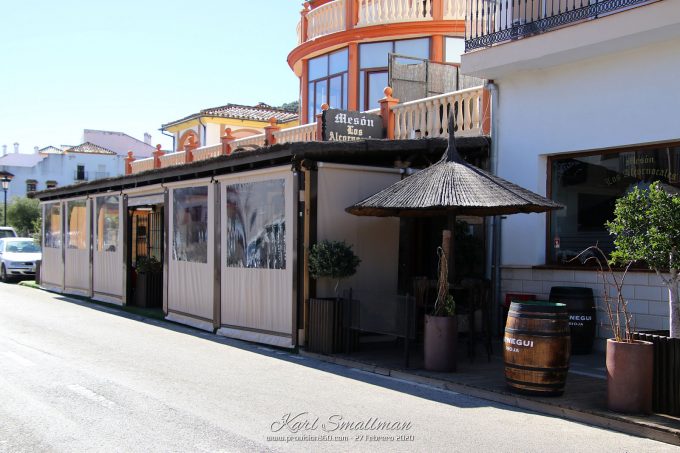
[
  {"x": 490, "y": 22},
  {"x": 422, "y": 118},
  {"x": 340, "y": 15}
]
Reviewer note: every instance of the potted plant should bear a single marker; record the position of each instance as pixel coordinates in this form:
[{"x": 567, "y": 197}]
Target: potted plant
[
  {"x": 441, "y": 326},
  {"x": 149, "y": 287},
  {"x": 333, "y": 260},
  {"x": 646, "y": 227},
  {"x": 629, "y": 361}
]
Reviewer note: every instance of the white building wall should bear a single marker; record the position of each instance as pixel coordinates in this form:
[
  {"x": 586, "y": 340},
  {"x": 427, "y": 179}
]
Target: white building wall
[
  {"x": 62, "y": 169},
  {"x": 627, "y": 98}
]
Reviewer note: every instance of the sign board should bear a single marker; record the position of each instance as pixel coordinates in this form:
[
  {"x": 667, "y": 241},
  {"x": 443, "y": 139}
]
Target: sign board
[{"x": 346, "y": 126}]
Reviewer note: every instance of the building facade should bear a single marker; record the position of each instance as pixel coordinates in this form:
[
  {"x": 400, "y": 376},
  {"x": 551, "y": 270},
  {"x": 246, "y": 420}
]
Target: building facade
[{"x": 586, "y": 95}]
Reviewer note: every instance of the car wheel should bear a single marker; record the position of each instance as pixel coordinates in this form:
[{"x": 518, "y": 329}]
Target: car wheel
[{"x": 3, "y": 274}]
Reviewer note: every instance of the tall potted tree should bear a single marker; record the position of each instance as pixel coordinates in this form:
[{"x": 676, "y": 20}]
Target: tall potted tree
[
  {"x": 441, "y": 326},
  {"x": 646, "y": 227},
  {"x": 332, "y": 260},
  {"x": 629, "y": 361}
]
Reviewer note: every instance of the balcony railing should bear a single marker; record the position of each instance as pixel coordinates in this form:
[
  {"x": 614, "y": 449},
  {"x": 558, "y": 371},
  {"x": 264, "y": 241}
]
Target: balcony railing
[
  {"x": 332, "y": 17},
  {"x": 429, "y": 117},
  {"x": 304, "y": 133},
  {"x": 378, "y": 12},
  {"x": 326, "y": 19},
  {"x": 422, "y": 118},
  {"x": 489, "y": 22}
]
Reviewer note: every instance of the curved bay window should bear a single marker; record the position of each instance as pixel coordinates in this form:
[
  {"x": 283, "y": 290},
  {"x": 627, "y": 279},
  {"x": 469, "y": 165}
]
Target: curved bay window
[
  {"x": 589, "y": 185},
  {"x": 327, "y": 77},
  {"x": 373, "y": 64}
]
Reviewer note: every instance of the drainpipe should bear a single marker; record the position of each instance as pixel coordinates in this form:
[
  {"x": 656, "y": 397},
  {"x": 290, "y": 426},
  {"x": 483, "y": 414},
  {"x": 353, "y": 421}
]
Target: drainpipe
[
  {"x": 171, "y": 136},
  {"x": 493, "y": 270},
  {"x": 205, "y": 140}
]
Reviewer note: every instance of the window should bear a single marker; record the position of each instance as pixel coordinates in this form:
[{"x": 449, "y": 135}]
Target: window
[
  {"x": 453, "y": 49},
  {"x": 256, "y": 225},
  {"x": 190, "y": 224},
  {"x": 373, "y": 62},
  {"x": 76, "y": 225},
  {"x": 31, "y": 185},
  {"x": 52, "y": 234},
  {"x": 107, "y": 223},
  {"x": 588, "y": 185},
  {"x": 80, "y": 173},
  {"x": 51, "y": 184},
  {"x": 327, "y": 77}
]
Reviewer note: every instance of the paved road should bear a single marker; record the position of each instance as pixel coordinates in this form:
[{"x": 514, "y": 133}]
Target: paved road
[{"x": 77, "y": 377}]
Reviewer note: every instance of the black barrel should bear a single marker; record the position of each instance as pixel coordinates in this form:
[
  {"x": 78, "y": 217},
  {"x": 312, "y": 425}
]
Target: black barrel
[
  {"x": 537, "y": 347},
  {"x": 582, "y": 315}
]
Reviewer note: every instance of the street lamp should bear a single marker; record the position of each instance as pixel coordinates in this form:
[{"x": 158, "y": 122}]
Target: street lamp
[{"x": 5, "y": 178}]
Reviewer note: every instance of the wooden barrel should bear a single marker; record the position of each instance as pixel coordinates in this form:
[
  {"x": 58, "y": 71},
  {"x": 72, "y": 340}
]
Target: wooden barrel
[
  {"x": 582, "y": 315},
  {"x": 537, "y": 347}
]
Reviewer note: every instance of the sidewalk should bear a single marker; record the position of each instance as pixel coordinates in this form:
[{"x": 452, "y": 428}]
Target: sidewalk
[{"x": 584, "y": 399}]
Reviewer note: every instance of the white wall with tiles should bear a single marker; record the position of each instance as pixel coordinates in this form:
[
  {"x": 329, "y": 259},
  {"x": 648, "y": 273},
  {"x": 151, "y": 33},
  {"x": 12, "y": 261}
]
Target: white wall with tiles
[{"x": 645, "y": 293}]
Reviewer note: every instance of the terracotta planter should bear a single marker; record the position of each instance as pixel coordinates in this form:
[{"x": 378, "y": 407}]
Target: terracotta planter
[
  {"x": 630, "y": 368},
  {"x": 441, "y": 336}
]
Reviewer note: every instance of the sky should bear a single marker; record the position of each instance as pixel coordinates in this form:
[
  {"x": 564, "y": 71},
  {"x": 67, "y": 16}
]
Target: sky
[{"x": 131, "y": 66}]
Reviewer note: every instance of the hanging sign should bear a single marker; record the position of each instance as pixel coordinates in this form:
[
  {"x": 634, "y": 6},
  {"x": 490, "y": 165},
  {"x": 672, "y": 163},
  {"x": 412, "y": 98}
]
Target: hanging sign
[{"x": 346, "y": 126}]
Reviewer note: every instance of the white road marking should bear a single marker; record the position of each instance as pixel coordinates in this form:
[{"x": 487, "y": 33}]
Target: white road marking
[
  {"x": 18, "y": 359},
  {"x": 93, "y": 396}
]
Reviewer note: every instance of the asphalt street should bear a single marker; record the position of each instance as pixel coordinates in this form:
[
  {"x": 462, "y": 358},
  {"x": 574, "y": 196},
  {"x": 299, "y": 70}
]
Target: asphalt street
[{"x": 75, "y": 376}]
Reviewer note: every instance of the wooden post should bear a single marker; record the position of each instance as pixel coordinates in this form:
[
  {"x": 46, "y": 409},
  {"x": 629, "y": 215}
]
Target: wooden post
[
  {"x": 319, "y": 123},
  {"x": 269, "y": 138},
  {"x": 189, "y": 148},
  {"x": 226, "y": 140},
  {"x": 351, "y": 14},
  {"x": 128, "y": 163},
  {"x": 157, "y": 157},
  {"x": 386, "y": 112}
]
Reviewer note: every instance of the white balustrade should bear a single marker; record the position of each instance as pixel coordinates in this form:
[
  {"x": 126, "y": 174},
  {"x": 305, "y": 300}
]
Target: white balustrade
[
  {"x": 207, "y": 152},
  {"x": 298, "y": 29},
  {"x": 304, "y": 133},
  {"x": 377, "y": 12},
  {"x": 326, "y": 19},
  {"x": 429, "y": 117},
  {"x": 141, "y": 165},
  {"x": 172, "y": 159},
  {"x": 454, "y": 9},
  {"x": 252, "y": 141}
]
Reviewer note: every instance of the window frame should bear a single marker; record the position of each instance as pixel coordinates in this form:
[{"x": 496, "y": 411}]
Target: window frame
[
  {"x": 549, "y": 192},
  {"x": 311, "y": 94}
]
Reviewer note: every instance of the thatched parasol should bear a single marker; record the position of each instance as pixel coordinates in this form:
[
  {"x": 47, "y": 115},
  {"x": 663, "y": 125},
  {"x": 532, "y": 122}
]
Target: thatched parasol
[{"x": 452, "y": 187}]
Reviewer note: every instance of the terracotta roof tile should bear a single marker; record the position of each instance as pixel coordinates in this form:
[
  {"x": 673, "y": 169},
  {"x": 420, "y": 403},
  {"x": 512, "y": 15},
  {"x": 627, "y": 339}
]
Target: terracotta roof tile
[
  {"x": 89, "y": 148},
  {"x": 260, "y": 112}
]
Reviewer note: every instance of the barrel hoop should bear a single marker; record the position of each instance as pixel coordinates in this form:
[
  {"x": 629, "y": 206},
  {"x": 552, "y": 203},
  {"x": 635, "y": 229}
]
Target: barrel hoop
[
  {"x": 536, "y": 368},
  {"x": 536, "y": 384},
  {"x": 533, "y": 333},
  {"x": 547, "y": 316}
]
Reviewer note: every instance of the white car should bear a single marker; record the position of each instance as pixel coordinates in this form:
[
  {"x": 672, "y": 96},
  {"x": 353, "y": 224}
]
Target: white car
[
  {"x": 7, "y": 232},
  {"x": 18, "y": 257}
]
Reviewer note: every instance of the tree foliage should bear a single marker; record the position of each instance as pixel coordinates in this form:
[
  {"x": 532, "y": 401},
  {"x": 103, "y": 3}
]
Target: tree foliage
[
  {"x": 646, "y": 227},
  {"x": 24, "y": 215},
  {"x": 332, "y": 259},
  {"x": 293, "y": 107}
]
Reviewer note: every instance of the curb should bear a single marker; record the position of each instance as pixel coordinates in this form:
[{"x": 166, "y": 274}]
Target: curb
[{"x": 601, "y": 420}]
